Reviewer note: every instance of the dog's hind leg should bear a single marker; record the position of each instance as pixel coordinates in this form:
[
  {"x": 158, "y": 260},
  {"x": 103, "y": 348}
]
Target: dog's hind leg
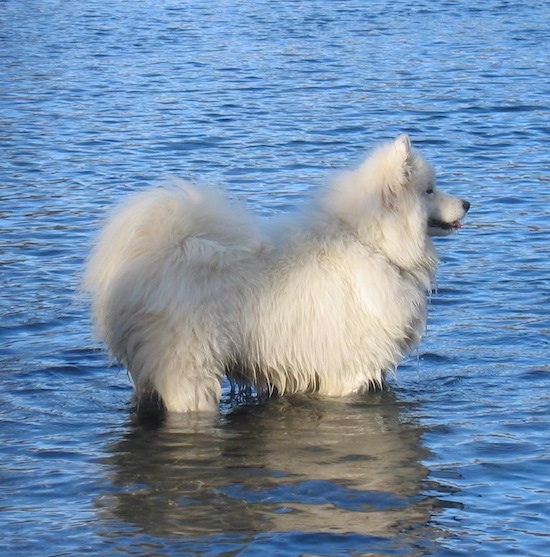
[
  {"x": 191, "y": 395},
  {"x": 176, "y": 376}
]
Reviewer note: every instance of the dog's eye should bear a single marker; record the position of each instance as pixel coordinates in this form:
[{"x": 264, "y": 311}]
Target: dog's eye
[{"x": 429, "y": 191}]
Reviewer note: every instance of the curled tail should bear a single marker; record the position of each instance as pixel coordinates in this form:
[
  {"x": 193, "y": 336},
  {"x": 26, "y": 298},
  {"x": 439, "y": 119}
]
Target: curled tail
[{"x": 151, "y": 275}]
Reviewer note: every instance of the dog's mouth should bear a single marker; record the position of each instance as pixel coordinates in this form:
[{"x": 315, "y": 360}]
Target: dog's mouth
[
  {"x": 434, "y": 223},
  {"x": 438, "y": 227}
]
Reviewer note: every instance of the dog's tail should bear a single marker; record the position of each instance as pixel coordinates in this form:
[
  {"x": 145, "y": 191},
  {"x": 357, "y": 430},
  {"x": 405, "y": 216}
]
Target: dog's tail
[{"x": 142, "y": 269}]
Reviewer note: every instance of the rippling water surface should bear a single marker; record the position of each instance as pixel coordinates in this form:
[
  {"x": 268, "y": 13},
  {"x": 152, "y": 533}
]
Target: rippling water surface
[{"x": 99, "y": 99}]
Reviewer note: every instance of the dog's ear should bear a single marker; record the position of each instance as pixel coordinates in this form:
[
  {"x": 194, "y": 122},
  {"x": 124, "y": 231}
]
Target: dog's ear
[
  {"x": 400, "y": 156},
  {"x": 403, "y": 150}
]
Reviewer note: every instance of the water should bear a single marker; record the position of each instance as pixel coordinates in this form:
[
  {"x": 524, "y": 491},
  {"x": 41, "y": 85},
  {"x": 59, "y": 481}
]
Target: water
[{"x": 269, "y": 97}]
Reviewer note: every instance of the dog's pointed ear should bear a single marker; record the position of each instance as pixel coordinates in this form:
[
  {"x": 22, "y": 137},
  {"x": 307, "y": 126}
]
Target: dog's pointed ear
[
  {"x": 403, "y": 148},
  {"x": 404, "y": 158},
  {"x": 400, "y": 154}
]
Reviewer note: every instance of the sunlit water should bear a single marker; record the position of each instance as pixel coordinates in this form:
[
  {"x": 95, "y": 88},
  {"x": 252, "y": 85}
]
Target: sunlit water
[{"x": 99, "y": 99}]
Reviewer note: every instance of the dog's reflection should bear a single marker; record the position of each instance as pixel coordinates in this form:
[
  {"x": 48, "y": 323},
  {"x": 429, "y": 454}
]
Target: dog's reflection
[{"x": 290, "y": 464}]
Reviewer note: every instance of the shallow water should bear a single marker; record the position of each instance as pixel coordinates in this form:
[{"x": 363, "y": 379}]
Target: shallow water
[{"x": 100, "y": 99}]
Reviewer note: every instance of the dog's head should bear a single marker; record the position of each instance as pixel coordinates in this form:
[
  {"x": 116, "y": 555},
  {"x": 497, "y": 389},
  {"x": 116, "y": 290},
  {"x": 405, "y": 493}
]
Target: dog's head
[
  {"x": 394, "y": 204},
  {"x": 412, "y": 205},
  {"x": 443, "y": 211}
]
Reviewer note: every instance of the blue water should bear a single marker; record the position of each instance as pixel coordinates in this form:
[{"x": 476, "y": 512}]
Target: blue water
[{"x": 98, "y": 99}]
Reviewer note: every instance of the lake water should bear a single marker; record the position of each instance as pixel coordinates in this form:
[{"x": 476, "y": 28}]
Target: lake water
[{"x": 99, "y": 99}]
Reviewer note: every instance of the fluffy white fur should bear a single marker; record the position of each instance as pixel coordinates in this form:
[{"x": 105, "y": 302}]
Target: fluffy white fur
[{"x": 187, "y": 288}]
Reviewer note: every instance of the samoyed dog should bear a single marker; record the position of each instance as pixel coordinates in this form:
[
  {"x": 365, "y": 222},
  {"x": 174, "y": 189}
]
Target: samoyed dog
[{"x": 187, "y": 288}]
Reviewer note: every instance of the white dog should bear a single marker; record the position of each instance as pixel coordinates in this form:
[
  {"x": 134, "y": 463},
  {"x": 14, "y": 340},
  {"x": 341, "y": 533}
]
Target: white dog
[{"x": 186, "y": 288}]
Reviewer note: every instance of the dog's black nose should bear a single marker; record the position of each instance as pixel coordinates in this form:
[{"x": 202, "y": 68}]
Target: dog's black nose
[{"x": 466, "y": 205}]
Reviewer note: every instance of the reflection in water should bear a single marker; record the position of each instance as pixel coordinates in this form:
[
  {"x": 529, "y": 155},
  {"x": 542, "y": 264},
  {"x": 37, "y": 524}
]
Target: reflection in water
[{"x": 295, "y": 464}]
